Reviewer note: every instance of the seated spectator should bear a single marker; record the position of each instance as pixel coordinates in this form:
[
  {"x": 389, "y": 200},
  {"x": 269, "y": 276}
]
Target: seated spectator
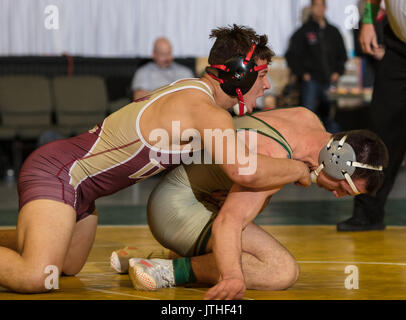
[{"x": 159, "y": 72}]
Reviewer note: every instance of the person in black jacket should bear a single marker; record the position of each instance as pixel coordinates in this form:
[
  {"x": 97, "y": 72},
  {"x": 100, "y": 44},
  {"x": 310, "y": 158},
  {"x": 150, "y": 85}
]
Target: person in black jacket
[{"x": 317, "y": 56}]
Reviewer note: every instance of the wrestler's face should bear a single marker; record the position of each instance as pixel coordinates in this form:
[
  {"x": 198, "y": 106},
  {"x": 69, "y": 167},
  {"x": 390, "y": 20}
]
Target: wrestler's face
[
  {"x": 340, "y": 188},
  {"x": 257, "y": 90}
]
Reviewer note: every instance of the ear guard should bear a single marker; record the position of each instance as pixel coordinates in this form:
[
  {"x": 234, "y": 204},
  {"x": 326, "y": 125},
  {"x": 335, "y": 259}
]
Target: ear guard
[
  {"x": 237, "y": 76},
  {"x": 338, "y": 160}
]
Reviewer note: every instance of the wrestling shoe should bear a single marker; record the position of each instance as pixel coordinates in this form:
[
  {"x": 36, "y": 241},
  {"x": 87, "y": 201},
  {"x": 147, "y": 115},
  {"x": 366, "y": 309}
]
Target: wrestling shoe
[
  {"x": 119, "y": 258},
  {"x": 356, "y": 224},
  {"x": 151, "y": 274}
]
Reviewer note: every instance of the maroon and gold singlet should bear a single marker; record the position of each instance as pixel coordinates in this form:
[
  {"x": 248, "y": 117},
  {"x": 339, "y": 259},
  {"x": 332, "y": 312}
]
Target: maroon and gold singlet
[{"x": 110, "y": 157}]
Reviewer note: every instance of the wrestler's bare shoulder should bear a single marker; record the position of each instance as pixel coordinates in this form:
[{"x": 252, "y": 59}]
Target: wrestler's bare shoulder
[
  {"x": 299, "y": 116},
  {"x": 193, "y": 107},
  {"x": 188, "y": 100}
]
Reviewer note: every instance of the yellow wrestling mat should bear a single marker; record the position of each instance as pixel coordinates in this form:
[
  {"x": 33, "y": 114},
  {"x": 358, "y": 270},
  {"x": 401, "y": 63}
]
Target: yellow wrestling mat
[{"x": 324, "y": 255}]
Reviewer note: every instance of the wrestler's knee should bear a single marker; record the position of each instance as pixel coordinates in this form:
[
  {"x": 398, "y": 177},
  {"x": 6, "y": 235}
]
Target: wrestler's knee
[
  {"x": 72, "y": 269},
  {"x": 290, "y": 274},
  {"x": 37, "y": 280},
  {"x": 34, "y": 284},
  {"x": 284, "y": 275}
]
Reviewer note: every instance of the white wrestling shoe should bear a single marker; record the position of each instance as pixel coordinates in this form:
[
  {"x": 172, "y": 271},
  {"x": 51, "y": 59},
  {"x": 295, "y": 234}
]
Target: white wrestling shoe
[
  {"x": 119, "y": 259},
  {"x": 151, "y": 274},
  {"x": 115, "y": 263}
]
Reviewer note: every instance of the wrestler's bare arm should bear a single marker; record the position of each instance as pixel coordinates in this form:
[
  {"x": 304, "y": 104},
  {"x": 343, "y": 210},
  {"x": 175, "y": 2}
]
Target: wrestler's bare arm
[
  {"x": 240, "y": 208},
  {"x": 265, "y": 172},
  {"x": 196, "y": 112}
]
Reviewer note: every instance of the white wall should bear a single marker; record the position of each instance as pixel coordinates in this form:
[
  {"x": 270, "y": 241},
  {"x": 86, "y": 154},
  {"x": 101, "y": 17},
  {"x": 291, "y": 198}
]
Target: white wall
[{"x": 129, "y": 27}]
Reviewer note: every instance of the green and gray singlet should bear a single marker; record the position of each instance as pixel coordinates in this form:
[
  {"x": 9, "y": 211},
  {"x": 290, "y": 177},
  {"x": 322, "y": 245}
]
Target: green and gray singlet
[{"x": 178, "y": 213}]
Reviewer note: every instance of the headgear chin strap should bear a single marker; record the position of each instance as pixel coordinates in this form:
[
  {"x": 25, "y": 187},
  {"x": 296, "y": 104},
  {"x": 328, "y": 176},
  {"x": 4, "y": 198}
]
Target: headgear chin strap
[
  {"x": 237, "y": 76},
  {"x": 338, "y": 160}
]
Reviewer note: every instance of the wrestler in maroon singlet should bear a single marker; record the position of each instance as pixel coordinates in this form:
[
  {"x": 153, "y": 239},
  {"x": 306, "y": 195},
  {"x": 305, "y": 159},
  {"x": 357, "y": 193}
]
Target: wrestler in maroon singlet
[{"x": 102, "y": 161}]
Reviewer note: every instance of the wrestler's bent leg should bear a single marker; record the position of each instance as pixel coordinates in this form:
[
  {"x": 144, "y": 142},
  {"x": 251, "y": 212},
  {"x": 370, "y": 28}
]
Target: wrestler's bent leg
[
  {"x": 44, "y": 231},
  {"x": 266, "y": 264},
  {"x": 80, "y": 245},
  {"x": 8, "y": 239}
]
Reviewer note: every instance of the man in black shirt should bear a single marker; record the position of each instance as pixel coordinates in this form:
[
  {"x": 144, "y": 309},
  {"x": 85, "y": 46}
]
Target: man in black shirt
[{"x": 317, "y": 56}]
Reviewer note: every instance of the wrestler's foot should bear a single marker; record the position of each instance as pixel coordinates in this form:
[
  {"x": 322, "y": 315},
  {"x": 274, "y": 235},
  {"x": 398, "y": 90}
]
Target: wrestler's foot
[
  {"x": 119, "y": 258},
  {"x": 151, "y": 274}
]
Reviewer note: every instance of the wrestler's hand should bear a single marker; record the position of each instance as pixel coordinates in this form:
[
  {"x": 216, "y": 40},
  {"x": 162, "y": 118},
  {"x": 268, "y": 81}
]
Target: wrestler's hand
[
  {"x": 227, "y": 289},
  {"x": 304, "y": 180}
]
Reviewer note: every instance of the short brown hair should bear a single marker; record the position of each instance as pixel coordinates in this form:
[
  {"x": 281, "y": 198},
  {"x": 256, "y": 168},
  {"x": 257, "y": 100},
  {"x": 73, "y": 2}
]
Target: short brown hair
[
  {"x": 237, "y": 40},
  {"x": 369, "y": 149}
]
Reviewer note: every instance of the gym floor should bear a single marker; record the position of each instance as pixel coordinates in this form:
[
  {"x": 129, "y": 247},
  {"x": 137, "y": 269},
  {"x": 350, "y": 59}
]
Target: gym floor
[{"x": 303, "y": 220}]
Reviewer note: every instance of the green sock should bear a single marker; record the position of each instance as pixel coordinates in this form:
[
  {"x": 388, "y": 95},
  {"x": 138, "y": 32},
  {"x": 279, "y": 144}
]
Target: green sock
[{"x": 183, "y": 271}]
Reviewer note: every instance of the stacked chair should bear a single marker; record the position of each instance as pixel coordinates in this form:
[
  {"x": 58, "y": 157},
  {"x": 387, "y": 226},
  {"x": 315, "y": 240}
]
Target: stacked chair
[{"x": 33, "y": 106}]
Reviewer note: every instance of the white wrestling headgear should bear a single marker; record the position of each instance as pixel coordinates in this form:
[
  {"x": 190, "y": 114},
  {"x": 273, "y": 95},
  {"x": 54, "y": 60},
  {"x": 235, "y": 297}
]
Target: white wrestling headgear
[{"x": 338, "y": 160}]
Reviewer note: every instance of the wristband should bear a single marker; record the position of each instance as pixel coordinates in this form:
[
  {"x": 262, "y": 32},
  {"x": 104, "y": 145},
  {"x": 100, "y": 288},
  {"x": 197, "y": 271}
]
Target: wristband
[{"x": 370, "y": 13}]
